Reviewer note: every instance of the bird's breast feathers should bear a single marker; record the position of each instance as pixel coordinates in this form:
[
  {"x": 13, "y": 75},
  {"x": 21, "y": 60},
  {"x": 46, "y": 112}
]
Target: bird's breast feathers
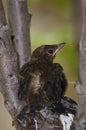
[{"x": 35, "y": 83}]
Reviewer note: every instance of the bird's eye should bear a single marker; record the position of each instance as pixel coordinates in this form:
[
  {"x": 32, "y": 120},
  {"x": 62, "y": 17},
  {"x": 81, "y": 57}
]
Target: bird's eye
[{"x": 50, "y": 51}]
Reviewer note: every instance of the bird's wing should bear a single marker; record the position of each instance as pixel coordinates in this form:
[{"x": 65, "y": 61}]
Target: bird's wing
[
  {"x": 60, "y": 78},
  {"x": 56, "y": 83},
  {"x": 25, "y": 79},
  {"x": 29, "y": 81},
  {"x": 23, "y": 89}
]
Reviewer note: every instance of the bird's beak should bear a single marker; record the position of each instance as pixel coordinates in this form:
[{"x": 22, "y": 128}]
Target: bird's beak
[{"x": 58, "y": 47}]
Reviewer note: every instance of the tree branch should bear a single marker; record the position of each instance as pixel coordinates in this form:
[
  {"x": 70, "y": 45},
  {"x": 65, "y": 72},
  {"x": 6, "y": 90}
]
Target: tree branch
[
  {"x": 81, "y": 85},
  {"x": 19, "y": 19},
  {"x": 8, "y": 70}
]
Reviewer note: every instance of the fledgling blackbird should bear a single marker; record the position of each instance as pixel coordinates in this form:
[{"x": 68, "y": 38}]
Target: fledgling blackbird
[{"x": 42, "y": 81}]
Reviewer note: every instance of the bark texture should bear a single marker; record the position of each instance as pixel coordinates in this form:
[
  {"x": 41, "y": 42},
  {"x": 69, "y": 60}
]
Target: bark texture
[
  {"x": 9, "y": 76},
  {"x": 8, "y": 67},
  {"x": 19, "y": 20},
  {"x": 81, "y": 85}
]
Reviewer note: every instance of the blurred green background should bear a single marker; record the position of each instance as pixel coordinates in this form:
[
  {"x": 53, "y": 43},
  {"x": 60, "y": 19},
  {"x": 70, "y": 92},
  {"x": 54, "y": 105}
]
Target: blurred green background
[{"x": 51, "y": 23}]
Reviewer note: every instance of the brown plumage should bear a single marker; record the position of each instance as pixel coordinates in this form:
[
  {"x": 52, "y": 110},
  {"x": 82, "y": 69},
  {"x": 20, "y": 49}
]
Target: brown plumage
[{"x": 42, "y": 81}]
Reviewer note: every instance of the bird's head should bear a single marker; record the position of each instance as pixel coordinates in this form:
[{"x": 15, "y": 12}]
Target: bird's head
[{"x": 46, "y": 52}]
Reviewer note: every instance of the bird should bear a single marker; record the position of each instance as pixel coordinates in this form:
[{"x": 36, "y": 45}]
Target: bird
[
  {"x": 66, "y": 110},
  {"x": 42, "y": 82}
]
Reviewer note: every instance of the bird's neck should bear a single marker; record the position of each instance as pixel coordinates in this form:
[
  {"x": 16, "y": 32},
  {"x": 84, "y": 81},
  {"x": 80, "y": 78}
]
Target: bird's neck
[{"x": 41, "y": 61}]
